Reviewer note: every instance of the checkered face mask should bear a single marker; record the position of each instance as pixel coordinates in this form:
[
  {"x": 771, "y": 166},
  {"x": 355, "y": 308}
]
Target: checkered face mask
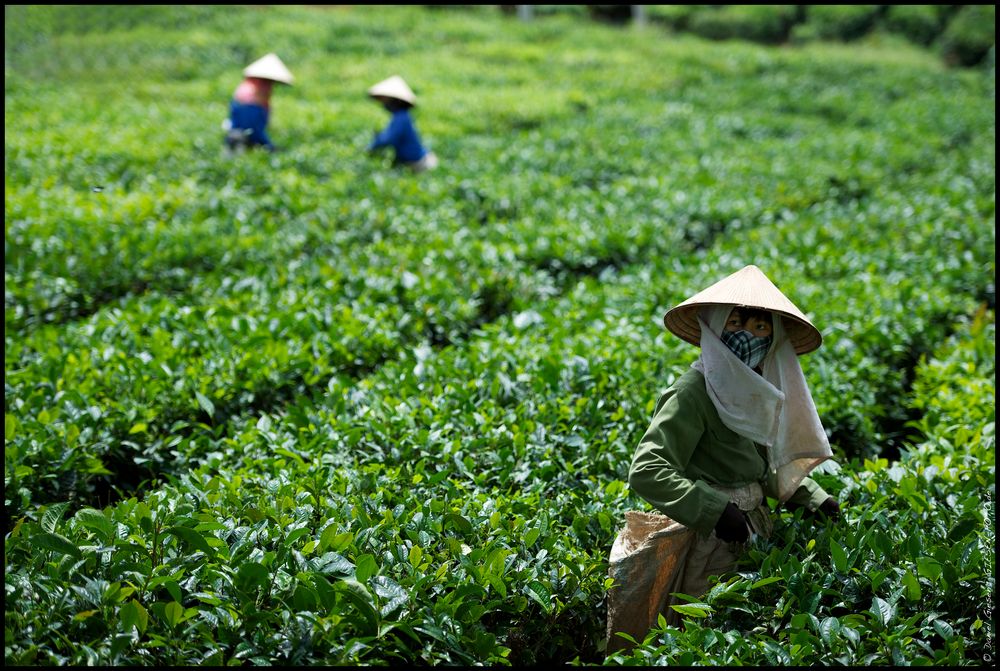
[{"x": 750, "y": 349}]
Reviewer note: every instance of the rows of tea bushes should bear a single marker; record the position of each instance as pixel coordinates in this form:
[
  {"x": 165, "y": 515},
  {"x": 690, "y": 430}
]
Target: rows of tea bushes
[
  {"x": 530, "y": 412},
  {"x": 597, "y": 209},
  {"x": 483, "y": 498},
  {"x": 62, "y": 185},
  {"x": 127, "y": 384},
  {"x": 443, "y": 495},
  {"x": 301, "y": 409},
  {"x": 161, "y": 392}
]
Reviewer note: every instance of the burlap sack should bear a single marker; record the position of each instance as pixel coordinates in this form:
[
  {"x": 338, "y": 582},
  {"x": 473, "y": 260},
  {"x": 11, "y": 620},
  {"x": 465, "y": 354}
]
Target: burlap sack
[
  {"x": 646, "y": 564},
  {"x": 655, "y": 556}
]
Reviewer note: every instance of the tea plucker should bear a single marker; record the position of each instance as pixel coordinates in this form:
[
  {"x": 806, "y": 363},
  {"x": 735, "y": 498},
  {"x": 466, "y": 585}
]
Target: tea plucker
[
  {"x": 400, "y": 134},
  {"x": 250, "y": 106},
  {"x": 738, "y": 426}
]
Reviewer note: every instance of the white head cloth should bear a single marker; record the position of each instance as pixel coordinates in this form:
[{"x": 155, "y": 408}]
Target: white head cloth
[{"x": 774, "y": 409}]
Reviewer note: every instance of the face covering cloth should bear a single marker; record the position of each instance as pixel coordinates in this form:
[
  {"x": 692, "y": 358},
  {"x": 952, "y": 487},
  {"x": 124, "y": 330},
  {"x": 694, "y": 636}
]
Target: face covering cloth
[{"x": 750, "y": 349}]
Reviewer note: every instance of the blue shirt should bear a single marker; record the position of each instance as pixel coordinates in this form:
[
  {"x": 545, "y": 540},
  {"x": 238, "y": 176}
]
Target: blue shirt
[
  {"x": 252, "y": 118},
  {"x": 402, "y": 136}
]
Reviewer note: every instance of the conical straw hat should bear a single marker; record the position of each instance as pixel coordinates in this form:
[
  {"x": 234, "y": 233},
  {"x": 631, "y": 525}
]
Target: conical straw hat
[
  {"x": 393, "y": 87},
  {"x": 269, "y": 67},
  {"x": 751, "y": 288}
]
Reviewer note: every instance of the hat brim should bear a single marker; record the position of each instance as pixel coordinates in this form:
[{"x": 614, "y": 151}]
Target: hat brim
[
  {"x": 682, "y": 321},
  {"x": 377, "y": 96},
  {"x": 748, "y": 287},
  {"x": 394, "y": 87},
  {"x": 271, "y": 68}
]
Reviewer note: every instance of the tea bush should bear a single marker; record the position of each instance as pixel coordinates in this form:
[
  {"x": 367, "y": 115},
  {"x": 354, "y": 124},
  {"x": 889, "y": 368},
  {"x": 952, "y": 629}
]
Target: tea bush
[
  {"x": 970, "y": 36},
  {"x": 769, "y": 24},
  {"x": 921, "y": 24}
]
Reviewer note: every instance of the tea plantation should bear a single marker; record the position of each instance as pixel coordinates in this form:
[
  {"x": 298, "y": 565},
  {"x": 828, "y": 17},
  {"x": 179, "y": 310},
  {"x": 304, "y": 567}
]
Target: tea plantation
[{"x": 304, "y": 408}]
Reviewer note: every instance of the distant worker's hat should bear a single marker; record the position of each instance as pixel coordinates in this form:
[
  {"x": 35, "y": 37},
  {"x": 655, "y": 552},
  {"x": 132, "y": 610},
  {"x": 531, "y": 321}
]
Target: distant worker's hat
[
  {"x": 393, "y": 87},
  {"x": 748, "y": 287},
  {"x": 269, "y": 67}
]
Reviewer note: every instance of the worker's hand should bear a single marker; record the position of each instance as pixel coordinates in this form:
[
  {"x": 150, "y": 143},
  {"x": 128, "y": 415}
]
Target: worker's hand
[
  {"x": 830, "y": 508},
  {"x": 732, "y": 526}
]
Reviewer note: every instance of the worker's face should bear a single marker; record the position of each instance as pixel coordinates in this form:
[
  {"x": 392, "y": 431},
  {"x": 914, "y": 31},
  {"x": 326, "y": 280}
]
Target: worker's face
[
  {"x": 263, "y": 85},
  {"x": 747, "y": 334},
  {"x": 388, "y": 103},
  {"x": 755, "y": 322}
]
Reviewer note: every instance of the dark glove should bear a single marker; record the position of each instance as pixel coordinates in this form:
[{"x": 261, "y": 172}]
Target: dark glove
[
  {"x": 830, "y": 508},
  {"x": 732, "y": 526}
]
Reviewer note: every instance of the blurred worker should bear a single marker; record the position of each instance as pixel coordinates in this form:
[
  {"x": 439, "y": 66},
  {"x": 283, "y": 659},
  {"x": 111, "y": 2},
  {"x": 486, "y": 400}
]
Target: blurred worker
[
  {"x": 250, "y": 108},
  {"x": 400, "y": 134}
]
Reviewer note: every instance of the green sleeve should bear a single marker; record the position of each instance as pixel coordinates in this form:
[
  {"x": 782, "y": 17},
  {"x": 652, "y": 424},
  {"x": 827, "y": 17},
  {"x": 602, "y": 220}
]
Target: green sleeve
[{"x": 657, "y": 470}]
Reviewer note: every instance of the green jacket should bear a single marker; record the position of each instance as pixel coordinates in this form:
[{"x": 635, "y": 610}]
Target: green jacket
[{"x": 687, "y": 448}]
